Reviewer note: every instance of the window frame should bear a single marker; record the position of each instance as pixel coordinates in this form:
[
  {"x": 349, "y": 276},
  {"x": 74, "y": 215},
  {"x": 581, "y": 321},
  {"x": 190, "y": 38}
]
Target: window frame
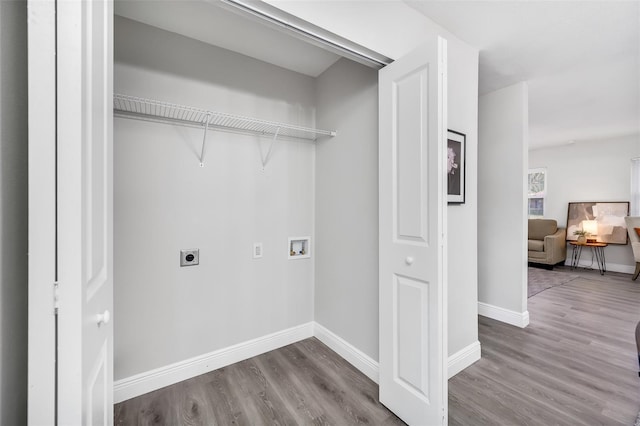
[
  {"x": 635, "y": 187},
  {"x": 539, "y": 195}
]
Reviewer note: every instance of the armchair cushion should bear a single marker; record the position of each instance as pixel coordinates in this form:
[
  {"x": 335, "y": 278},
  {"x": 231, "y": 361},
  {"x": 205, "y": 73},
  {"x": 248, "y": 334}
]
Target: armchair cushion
[
  {"x": 536, "y": 245},
  {"x": 547, "y": 243},
  {"x": 540, "y": 228}
]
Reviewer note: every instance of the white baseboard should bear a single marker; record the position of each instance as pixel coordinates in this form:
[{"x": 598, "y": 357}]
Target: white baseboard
[
  {"x": 463, "y": 358},
  {"x": 357, "y": 358},
  {"x": 369, "y": 367},
  {"x": 504, "y": 315},
  {"x": 164, "y": 376},
  {"x": 613, "y": 267},
  {"x": 149, "y": 381}
]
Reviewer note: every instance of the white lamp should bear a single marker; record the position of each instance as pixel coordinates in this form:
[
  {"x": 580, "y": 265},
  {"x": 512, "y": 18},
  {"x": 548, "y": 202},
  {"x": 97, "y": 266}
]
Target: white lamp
[{"x": 591, "y": 227}]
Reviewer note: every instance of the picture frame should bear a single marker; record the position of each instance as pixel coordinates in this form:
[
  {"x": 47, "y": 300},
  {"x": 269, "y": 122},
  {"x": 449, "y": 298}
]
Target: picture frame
[
  {"x": 456, "y": 167},
  {"x": 608, "y": 217}
]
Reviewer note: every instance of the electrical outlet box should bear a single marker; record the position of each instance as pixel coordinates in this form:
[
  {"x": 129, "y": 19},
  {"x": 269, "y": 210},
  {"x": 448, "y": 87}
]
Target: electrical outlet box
[
  {"x": 257, "y": 250},
  {"x": 189, "y": 257}
]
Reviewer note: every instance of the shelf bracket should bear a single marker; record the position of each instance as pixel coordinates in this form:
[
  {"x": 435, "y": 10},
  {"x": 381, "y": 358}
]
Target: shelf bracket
[
  {"x": 204, "y": 138},
  {"x": 265, "y": 158}
]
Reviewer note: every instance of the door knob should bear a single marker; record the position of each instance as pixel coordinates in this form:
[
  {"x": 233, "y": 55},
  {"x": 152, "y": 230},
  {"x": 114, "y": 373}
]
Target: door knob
[
  {"x": 409, "y": 260},
  {"x": 103, "y": 318}
]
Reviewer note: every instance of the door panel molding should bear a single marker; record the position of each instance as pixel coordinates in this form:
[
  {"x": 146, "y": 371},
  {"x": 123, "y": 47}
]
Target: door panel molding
[
  {"x": 85, "y": 211},
  {"x": 412, "y": 212}
]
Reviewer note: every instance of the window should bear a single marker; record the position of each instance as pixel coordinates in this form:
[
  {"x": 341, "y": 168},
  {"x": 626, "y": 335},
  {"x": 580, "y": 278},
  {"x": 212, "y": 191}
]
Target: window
[
  {"x": 537, "y": 191},
  {"x": 635, "y": 187}
]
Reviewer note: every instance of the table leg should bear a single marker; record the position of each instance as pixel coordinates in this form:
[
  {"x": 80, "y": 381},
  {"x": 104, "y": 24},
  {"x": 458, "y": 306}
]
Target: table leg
[
  {"x": 602, "y": 266},
  {"x": 575, "y": 256}
]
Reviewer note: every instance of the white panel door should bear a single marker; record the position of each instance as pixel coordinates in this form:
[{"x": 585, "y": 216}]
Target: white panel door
[
  {"x": 412, "y": 221},
  {"x": 85, "y": 206}
]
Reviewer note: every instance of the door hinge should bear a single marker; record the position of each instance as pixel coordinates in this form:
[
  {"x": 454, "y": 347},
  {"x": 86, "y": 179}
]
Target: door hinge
[{"x": 56, "y": 297}]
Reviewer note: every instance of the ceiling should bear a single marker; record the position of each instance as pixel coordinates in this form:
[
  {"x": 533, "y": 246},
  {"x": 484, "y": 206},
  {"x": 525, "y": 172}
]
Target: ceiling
[
  {"x": 210, "y": 23},
  {"x": 580, "y": 59}
]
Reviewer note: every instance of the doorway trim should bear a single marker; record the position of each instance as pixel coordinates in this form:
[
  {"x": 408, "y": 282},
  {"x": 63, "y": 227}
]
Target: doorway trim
[{"x": 41, "y": 407}]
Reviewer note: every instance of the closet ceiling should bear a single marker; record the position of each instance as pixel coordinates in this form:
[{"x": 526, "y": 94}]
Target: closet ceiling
[
  {"x": 207, "y": 22},
  {"x": 580, "y": 59}
]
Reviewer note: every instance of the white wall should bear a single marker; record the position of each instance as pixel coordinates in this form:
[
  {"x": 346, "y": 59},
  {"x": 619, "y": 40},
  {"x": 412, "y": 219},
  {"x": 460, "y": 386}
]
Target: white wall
[
  {"x": 346, "y": 305},
  {"x": 502, "y": 224},
  {"x": 597, "y": 170},
  {"x": 165, "y": 202},
  {"x": 346, "y": 278},
  {"x": 462, "y": 219},
  {"x": 13, "y": 212},
  {"x": 398, "y": 30}
]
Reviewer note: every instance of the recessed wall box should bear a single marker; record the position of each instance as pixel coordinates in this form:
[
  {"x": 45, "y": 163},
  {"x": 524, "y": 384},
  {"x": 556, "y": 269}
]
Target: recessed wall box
[
  {"x": 189, "y": 257},
  {"x": 299, "y": 248}
]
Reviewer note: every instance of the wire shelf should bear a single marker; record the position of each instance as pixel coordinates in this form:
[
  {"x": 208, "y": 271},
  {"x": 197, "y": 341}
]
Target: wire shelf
[{"x": 158, "y": 111}]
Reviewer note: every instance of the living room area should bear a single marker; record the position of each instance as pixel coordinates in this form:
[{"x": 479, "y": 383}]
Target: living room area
[
  {"x": 579, "y": 351},
  {"x": 581, "y": 193},
  {"x": 558, "y": 334},
  {"x": 593, "y": 171},
  {"x": 575, "y": 360}
]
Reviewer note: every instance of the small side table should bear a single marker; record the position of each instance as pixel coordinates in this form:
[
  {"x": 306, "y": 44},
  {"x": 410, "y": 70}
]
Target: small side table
[{"x": 596, "y": 248}]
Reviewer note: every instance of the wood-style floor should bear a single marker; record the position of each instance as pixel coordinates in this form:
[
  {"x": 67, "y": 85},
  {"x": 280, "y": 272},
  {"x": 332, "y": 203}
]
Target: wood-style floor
[
  {"x": 301, "y": 384},
  {"x": 574, "y": 364}
]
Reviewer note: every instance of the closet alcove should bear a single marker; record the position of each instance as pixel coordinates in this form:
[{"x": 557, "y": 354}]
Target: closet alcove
[{"x": 230, "y": 189}]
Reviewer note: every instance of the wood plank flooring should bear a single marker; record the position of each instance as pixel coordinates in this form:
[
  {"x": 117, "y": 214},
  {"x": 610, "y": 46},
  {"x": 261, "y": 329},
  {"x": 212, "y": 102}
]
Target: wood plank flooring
[
  {"x": 575, "y": 364},
  {"x": 301, "y": 384}
]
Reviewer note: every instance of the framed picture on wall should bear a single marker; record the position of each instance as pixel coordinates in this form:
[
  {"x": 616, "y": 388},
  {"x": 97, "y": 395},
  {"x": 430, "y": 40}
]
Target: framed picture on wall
[
  {"x": 604, "y": 221},
  {"x": 456, "y": 176}
]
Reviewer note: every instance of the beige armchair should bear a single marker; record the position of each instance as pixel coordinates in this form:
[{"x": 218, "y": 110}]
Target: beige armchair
[
  {"x": 632, "y": 223},
  {"x": 547, "y": 243}
]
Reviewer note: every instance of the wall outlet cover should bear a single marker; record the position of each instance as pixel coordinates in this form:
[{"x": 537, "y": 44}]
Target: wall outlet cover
[
  {"x": 257, "y": 250},
  {"x": 189, "y": 257}
]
